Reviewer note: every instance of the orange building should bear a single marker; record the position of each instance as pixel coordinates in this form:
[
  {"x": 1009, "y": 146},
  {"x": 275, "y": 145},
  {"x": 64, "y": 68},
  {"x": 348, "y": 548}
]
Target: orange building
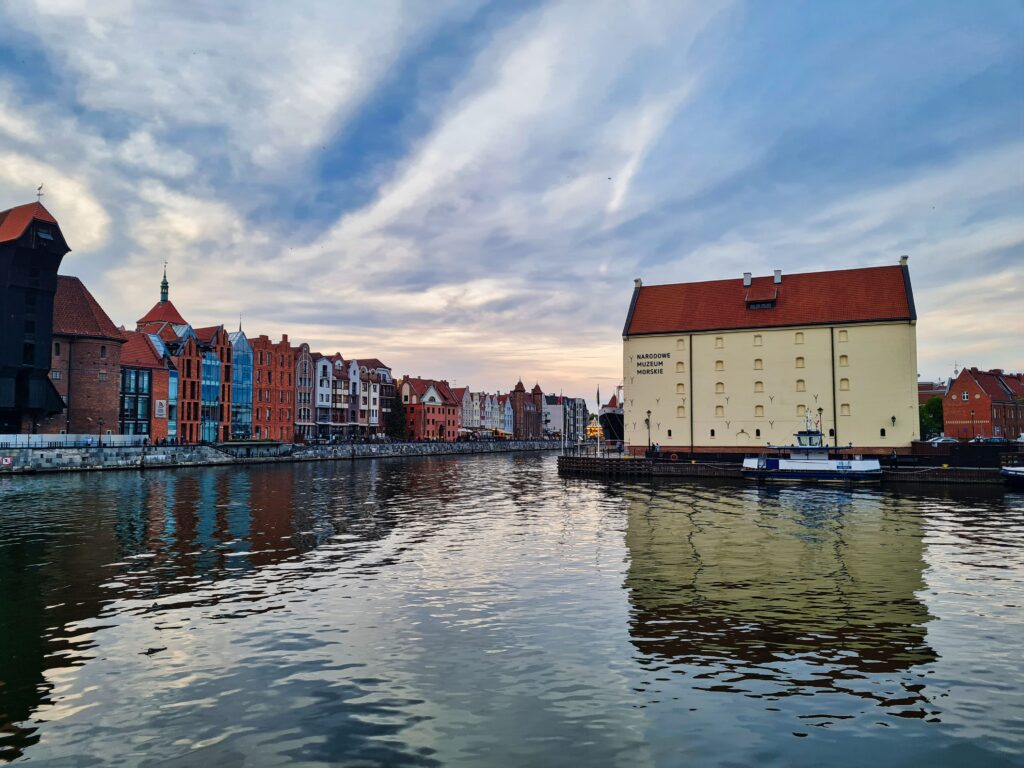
[
  {"x": 431, "y": 409},
  {"x": 273, "y": 389},
  {"x": 984, "y": 404}
]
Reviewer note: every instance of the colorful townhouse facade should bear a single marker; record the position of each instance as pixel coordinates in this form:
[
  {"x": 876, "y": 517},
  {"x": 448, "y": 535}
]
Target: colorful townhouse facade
[
  {"x": 273, "y": 387},
  {"x": 431, "y": 409},
  {"x": 149, "y": 386}
]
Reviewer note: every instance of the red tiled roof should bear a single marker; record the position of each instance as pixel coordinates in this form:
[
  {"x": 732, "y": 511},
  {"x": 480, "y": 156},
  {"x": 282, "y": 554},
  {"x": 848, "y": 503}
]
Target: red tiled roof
[
  {"x": 139, "y": 352},
  {"x": 1015, "y": 383},
  {"x": 420, "y": 386},
  {"x": 77, "y": 313},
  {"x": 841, "y": 296},
  {"x": 163, "y": 312},
  {"x": 206, "y": 334},
  {"x": 371, "y": 362},
  {"x": 14, "y": 221},
  {"x": 459, "y": 393},
  {"x": 537, "y": 390},
  {"x": 991, "y": 384}
]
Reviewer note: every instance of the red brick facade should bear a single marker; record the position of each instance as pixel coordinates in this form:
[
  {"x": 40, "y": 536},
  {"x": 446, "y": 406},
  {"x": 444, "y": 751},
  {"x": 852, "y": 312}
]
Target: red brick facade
[
  {"x": 273, "y": 389},
  {"x": 431, "y": 410},
  {"x": 527, "y": 409},
  {"x": 984, "y": 404}
]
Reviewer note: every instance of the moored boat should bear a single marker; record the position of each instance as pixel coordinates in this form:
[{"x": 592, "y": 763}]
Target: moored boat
[
  {"x": 611, "y": 419},
  {"x": 811, "y": 460},
  {"x": 1014, "y": 476}
]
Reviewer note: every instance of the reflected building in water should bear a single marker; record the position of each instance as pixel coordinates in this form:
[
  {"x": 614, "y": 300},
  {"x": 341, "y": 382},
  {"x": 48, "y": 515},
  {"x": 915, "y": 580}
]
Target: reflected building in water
[{"x": 780, "y": 580}]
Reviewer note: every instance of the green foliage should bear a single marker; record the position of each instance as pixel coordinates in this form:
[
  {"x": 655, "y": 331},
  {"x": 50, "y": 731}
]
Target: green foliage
[{"x": 931, "y": 417}]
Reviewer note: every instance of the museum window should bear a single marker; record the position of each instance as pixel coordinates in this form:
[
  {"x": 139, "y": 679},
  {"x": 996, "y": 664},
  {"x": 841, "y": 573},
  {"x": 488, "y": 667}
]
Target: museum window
[
  {"x": 831, "y": 432},
  {"x": 757, "y": 433},
  {"x": 844, "y": 409},
  {"x": 681, "y": 412},
  {"x": 758, "y": 364},
  {"x": 712, "y": 433},
  {"x": 844, "y": 336},
  {"x": 758, "y": 410},
  {"x": 719, "y": 342},
  {"x": 680, "y": 367},
  {"x": 757, "y": 340},
  {"x": 799, "y": 362},
  {"x": 844, "y": 384},
  {"x": 881, "y": 432},
  {"x": 670, "y": 433},
  {"x": 844, "y": 361},
  {"x": 720, "y": 411},
  {"x": 680, "y": 388},
  {"x": 719, "y": 365},
  {"x": 719, "y": 388},
  {"x": 680, "y": 343},
  {"x": 799, "y": 337},
  {"x": 801, "y": 385},
  {"x": 759, "y": 386},
  {"x": 801, "y": 410}
]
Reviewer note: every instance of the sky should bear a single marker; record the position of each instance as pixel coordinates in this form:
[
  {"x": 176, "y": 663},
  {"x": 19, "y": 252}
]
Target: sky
[{"x": 466, "y": 190}]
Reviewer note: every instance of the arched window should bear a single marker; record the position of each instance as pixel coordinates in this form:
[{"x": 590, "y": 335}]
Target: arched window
[
  {"x": 670, "y": 433},
  {"x": 799, "y": 362},
  {"x": 759, "y": 410},
  {"x": 801, "y": 410},
  {"x": 844, "y": 360},
  {"x": 801, "y": 385},
  {"x": 831, "y": 432},
  {"x": 758, "y": 340},
  {"x": 712, "y": 433},
  {"x": 680, "y": 388},
  {"x": 881, "y": 432},
  {"x": 759, "y": 386},
  {"x": 799, "y": 337},
  {"x": 757, "y": 433},
  {"x": 719, "y": 365},
  {"x": 680, "y": 367},
  {"x": 719, "y": 342},
  {"x": 680, "y": 411},
  {"x": 680, "y": 343},
  {"x": 720, "y": 411},
  {"x": 844, "y": 409},
  {"x": 844, "y": 336},
  {"x": 844, "y": 384},
  {"x": 719, "y": 388},
  {"x": 758, "y": 364}
]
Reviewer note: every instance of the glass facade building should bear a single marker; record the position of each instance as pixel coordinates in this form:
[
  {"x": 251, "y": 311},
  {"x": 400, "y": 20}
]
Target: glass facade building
[
  {"x": 241, "y": 386},
  {"x": 209, "y": 412},
  {"x": 172, "y": 405},
  {"x": 136, "y": 400}
]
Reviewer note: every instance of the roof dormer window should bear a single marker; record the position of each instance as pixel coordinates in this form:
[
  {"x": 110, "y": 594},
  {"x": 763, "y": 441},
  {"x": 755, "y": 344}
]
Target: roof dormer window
[{"x": 44, "y": 233}]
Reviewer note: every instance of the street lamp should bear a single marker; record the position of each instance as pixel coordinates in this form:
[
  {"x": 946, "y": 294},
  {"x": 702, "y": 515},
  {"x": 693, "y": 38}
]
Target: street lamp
[{"x": 647, "y": 421}]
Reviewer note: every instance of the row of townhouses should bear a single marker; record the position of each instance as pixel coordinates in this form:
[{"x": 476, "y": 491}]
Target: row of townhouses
[{"x": 65, "y": 367}]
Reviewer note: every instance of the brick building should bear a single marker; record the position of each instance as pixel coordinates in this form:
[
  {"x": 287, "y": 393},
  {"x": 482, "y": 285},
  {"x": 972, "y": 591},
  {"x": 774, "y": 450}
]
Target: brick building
[
  {"x": 431, "y": 409},
  {"x": 217, "y": 383},
  {"x": 984, "y": 404},
  {"x": 31, "y": 250},
  {"x": 85, "y": 363},
  {"x": 926, "y": 390},
  {"x": 527, "y": 412},
  {"x": 305, "y": 393},
  {"x": 149, "y": 387},
  {"x": 273, "y": 389}
]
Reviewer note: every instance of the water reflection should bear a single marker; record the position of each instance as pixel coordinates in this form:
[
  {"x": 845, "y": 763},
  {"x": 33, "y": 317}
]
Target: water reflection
[{"x": 774, "y": 593}]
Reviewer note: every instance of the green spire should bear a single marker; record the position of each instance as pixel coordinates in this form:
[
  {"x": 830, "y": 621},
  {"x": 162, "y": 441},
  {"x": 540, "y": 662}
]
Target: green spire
[{"x": 164, "y": 286}]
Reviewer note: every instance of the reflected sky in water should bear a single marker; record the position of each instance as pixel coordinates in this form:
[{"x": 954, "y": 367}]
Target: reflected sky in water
[{"x": 483, "y": 611}]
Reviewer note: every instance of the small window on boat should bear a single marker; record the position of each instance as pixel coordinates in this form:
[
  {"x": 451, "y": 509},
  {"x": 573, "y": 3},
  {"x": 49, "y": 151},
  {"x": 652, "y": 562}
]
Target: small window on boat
[
  {"x": 758, "y": 364},
  {"x": 680, "y": 367},
  {"x": 719, "y": 365},
  {"x": 719, "y": 388},
  {"x": 712, "y": 433},
  {"x": 799, "y": 337},
  {"x": 881, "y": 432},
  {"x": 844, "y": 336},
  {"x": 844, "y": 409},
  {"x": 799, "y": 362},
  {"x": 720, "y": 411},
  {"x": 758, "y": 341},
  {"x": 719, "y": 342},
  {"x": 757, "y": 433},
  {"x": 844, "y": 360},
  {"x": 759, "y": 410},
  {"x": 759, "y": 386},
  {"x": 681, "y": 412},
  {"x": 680, "y": 388},
  {"x": 801, "y": 385},
  {"x": 844, "y": 384}
]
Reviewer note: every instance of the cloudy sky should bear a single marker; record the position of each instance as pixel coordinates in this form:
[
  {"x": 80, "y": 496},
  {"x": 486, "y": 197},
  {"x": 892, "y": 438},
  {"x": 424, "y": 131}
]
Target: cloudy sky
[{"x": 468, "y": 189}]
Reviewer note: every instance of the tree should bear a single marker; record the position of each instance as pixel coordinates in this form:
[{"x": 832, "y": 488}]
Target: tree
[{"x": 931, "y": 417}]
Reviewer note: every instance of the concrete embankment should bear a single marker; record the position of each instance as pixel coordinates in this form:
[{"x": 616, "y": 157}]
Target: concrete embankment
[
  {"x": 31, "y": 460},
  {"x": 618, "y": 468}
]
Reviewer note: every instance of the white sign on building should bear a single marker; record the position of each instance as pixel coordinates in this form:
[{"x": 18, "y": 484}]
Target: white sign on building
[{"x": 160, "y": 409}]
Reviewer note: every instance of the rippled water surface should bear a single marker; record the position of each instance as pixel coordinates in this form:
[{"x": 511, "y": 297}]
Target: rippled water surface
[{"x": 483, "y": 611}]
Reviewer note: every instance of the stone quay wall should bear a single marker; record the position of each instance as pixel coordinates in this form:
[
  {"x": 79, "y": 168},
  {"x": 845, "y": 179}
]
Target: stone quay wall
[{"x": 31, "y": 460}]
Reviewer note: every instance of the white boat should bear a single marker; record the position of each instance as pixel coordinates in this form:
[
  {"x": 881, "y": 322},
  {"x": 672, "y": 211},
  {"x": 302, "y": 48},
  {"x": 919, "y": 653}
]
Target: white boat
[{"x": 811, "y": 460}]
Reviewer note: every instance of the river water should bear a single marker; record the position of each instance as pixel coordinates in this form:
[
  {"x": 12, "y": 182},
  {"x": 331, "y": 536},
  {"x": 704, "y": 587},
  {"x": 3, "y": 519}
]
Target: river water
[{"x": 482, "y": 611}]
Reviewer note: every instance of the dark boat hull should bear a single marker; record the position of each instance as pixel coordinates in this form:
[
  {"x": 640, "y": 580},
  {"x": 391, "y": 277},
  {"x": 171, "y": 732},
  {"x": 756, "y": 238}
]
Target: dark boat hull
[{"x": 612, "y": 424}]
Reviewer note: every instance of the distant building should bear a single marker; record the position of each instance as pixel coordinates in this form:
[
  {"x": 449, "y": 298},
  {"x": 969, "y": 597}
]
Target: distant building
[
  {"x": 273, "y": 389},
  {"x": 926, "y": 390},
  {"x": 431, "y": 409},
  {"x": 465, "y": 410},
  {"x": 735, "y": 365},
  {"x": 241, "y": 386},
  {"x": 376, "y": 395},
  {"x": 149, "y": 386},
  {"x": 505, "y": 416},
  {"x": 575, "y": 418},
  {"x": 305, "y": 391},
  {"x": 527, "y": 409},
  {"x": 553, "y": 415},
  {"x": 984, "y": 404},
  {"x": 31, "y": 250},
  {"x": 86, "y": 363}
]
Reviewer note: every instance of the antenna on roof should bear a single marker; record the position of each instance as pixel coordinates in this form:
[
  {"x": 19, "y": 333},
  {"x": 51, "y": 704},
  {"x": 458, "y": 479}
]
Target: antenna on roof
[{"x": 39, "y": 193}]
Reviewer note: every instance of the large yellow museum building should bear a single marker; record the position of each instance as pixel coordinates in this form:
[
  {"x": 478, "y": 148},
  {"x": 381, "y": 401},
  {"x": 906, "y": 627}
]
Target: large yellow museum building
[{"x": 731, "y": 365}]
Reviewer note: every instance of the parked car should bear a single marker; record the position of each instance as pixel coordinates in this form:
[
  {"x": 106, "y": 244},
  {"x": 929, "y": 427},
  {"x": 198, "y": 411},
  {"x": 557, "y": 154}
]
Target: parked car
[{"x": 937, "y": 441}]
